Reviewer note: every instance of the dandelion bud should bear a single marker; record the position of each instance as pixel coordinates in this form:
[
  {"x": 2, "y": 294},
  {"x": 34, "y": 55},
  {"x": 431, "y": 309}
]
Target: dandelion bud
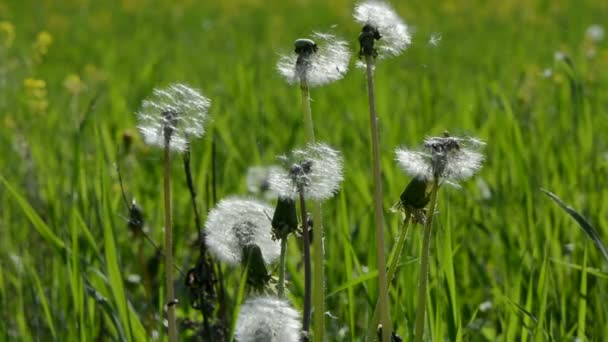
[
  {"x": 384, "y": 34},
  {"x": 257, "y": 274},
  {"x": 318, "y": 61},
  {"x": 235, "y": 223},
  {"x": 267, "y": 319},
  {"x": 172, "y": 116},
  {"x": 316, "y": 171},
  {"x": 285, "y": 219}
]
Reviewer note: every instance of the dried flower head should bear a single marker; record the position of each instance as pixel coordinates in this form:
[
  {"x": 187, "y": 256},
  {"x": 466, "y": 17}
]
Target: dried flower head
[
  {"x": 320, "y": 60},
  {"x": 267, "y": 319},
  {"x": 449, "y": 159},
  {"x": 384, "y": 34},
  {"x": 173, "y": 115},
  {"x": 315, "y": 170},
  {"x": 237, "y": 222}
]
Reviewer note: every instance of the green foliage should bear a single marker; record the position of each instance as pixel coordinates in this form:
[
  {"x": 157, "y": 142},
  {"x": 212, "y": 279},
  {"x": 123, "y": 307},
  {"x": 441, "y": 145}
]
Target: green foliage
[{"x": 506, "y": 263}]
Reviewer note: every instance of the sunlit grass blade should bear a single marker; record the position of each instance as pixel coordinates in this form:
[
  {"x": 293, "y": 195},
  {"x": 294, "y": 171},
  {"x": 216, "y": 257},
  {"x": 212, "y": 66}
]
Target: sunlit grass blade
[{"x": 582, "y": 222}]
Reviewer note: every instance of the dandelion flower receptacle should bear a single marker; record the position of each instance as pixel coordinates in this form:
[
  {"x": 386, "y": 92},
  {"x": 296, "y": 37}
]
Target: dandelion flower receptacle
[
  {"x": 237, "y": 222},
  {"x": 445, "y": 159},
  {"x": 267, "y": 319},
  {"x": 169, "y": 119}
]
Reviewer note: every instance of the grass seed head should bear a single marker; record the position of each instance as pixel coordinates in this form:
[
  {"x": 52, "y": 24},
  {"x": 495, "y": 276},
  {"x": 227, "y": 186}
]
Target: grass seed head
[
  {"x": 384, "y": 33},
  {"x": 267, "y": 319},
  {"x": 173, "y": 115},
  {"x": 237, "y": 222},
  {"x": 316, "y": 170},
  {"x": 318, "y": 61}
]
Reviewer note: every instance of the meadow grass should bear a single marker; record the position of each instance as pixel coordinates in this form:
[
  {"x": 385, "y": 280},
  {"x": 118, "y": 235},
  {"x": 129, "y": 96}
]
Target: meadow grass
[{"x": 506, "y": 263}]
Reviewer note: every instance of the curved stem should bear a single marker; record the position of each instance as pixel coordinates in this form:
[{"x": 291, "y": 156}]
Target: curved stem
[
  {"x": 424, "y": 266},
  {"x": 385, "y": 315},
  {"x": 403, "y": 233},
  {"x": 307, "y": 275},
  {"x": 169, "y": 245},
  {"x": 281, "y": 286}
]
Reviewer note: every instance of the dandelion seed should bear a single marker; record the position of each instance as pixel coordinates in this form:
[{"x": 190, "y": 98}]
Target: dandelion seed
[
  {"x": 595, "y": 33},
  {"x": 237, "y": 222},
  {"x": 381, "y": 23},
  {"x": 318, "y": 61},
  {"x": 267, "y": 319},
  {"x": 435, "y": 39},
  {"x": 174, "y": 114},
  {"x": 258, "y": 180},
  {"x": 316, "y": 170},
  {"x": 450, "y": 159}
]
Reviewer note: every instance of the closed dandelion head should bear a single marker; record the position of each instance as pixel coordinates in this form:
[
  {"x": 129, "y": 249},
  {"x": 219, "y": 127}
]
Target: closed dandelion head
[
  {"x": 172, "y": 116},
  {"x": 267, "y": 319},
  {"x": 447, "y": 159},
  {"x": 384, "y": 33},
  {"x": 236, "y": 223},
  {"x": 318, "y": 61},
  {"x": 315, "y": 170}
]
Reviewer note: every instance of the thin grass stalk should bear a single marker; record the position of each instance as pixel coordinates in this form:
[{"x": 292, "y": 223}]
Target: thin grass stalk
[
  {"x": 385, "y": 315},
  {"x": 307, "y": 275},
  {"x": 317, "y": 219},
  {"x": 169, "y": 246},
  {"x": 424, "y": 266},
  {"x": 403, "y": 232},
  {"x": 281, "y": 286}
]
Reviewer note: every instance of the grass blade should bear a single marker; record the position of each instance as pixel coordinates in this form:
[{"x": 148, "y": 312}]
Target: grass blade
[{"x": 583, "y": 223}]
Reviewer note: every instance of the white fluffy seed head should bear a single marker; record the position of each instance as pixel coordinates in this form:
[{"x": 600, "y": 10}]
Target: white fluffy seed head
[
  {"x": 327, "y": 64},
  {"x": 317, "y": 169},
  {"x": 258, "y": 180},
  {"x": 267, "y": 319},
  {"x": 188, "y": 113},
  {"x": 451, "y": 159},
  {"x": 395, "y": 34},
  {"x": 595, "y": 33},
  {"x": 236, "y": 222}
]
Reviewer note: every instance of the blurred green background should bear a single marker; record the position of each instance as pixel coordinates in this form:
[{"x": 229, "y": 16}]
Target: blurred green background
[{"x": 507, "y": 264}]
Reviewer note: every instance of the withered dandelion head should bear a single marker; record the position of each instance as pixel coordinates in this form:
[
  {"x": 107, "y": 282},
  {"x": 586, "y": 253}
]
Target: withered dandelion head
[
  {"x": 318, "y": 61},
  {"x": 172, "y": 116},
  {"x": 384, "y": 33},
  {"x": 267, "y": 319},
  {"x": 315, "y": 170},
  {"x": 236, "y": 223}
]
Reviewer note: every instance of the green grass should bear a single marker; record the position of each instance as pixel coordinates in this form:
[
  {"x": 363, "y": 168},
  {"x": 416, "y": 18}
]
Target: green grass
[{"x": 66, "y": 253}]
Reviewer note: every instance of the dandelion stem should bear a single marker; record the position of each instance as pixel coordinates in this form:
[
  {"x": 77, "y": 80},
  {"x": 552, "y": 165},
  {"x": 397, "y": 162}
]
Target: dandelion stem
[
  {"x": 319, "y": 257},
  {"x": 403, "y": 232},
  {"x": 281, "y": 286},
  {"x": 385, "y": 316},
  {"x": 169, "y": 245},
  {"x": 424, "y": 265},
  {"x": 307, "y": 275}
]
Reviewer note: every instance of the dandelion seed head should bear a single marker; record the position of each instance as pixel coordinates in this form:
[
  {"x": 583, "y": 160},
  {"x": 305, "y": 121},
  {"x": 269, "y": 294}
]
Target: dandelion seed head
[
  {"x": 320, "y": 60},
  {"x": 450, "y": 159},
  {"x": 595, "y": 33},
  {"x": 395, "y": 36},
  {"x": 236, "y": 222},
  {"x": 267, "y": 319},
  {"x": 317, "y": 170},
  {"x": 258, "y": 180},
  {"x": 176, "y": 112}
]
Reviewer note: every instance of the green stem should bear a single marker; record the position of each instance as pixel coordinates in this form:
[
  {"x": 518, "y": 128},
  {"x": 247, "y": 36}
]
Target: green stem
[
  {"x": 385, "y": 315},
  {"x": 403, "y": 232},
  {"x": 318, "y": 291},
  {"x": 307, "y": 275},
  {"x": 281, "y": 286},
  {"x": 424, "y": 265},
  {"x": 169, "y": 246}
]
